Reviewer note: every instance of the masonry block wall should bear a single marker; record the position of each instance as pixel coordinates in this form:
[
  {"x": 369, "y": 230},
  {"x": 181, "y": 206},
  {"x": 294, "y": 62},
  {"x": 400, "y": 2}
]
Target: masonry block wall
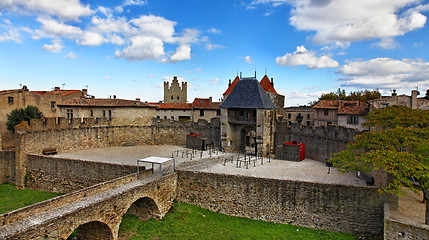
[
  {"x": 7, "y": 166},
  {"x": 320, "y": 142},
  {"x": 352, "y": 209},
  {"x": 64, "y": 175}
]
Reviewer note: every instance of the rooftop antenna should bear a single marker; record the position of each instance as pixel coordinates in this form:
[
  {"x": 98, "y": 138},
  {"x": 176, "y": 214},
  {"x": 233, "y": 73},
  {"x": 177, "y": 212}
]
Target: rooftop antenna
[
  {"x": 255, "y": 72},
  {"x": 62, "y": 85},
  {"x": 237, "y": 73},
  {"x": 265, "y": 71}
]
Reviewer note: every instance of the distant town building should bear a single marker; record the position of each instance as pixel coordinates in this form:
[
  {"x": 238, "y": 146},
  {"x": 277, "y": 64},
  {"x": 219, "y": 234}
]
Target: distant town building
[
  {"x": 45, "y": 101},
  {"x": 340, "y": 113},
  {"x": 410, "y": 101},
  {"x": 204, "y": 108},
  {"x": 119, "y": 112},
  {"x": 174, "y": 111},
  {"x": 304, "y": 115},
  {"x": 175, "y": 93}
]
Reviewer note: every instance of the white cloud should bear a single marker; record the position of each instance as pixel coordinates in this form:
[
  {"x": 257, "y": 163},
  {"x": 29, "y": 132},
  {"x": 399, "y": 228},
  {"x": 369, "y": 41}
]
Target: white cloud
[
  {"x": 126, "y": 3},
  {"x": 107, "y": 77},
  {"x": 63, "y": 9},
  {"x": 356, "y": 20},
  {"x": 54, "y": 47},
  {"x": 210, "y": 46},
  {"x": 71, "y": 55},
  {"x": 214, "y": 31},
  {"x": 53, "y": 29},
  {"x": 142, "y": 48},
  {"x": 307, "y": 58},
  {"x": 154, "y": 26},
  {"x": 295, "y": 98},
  {"x": 386, "y": 43},
  {"x": 183, "y": 52},
  {"x": 90, "y": 39},
  {"x": 385, "y": 73},
  {"x": 247, "y": 59},
  {"x": 213, "y": 81},
  {"x": 11, "y": 35}
]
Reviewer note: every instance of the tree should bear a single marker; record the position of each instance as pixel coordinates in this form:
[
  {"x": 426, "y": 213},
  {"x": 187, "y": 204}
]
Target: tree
[
  {"x": 400, "y": 146},
  {"x": 19, "y": 115},
  {"x": 340, "y": 94}
]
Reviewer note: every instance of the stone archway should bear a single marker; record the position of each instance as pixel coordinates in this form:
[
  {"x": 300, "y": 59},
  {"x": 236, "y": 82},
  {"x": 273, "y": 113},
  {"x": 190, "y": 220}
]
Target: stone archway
[
  {"x": 248, "y": 140},
  {"x": 145, "y": 208},
  {"x": 92, "y": 231}
]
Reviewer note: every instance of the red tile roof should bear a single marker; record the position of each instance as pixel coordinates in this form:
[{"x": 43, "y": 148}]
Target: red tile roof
[
  {"x": 10, "y": 91},
  {"x": 97, "y": 102},
  {"x": 205, "y": 103},
  {"x": 344, "y": 107},
  {"x": 56, "y": 92},
  {"x": 183, "y": 106},
  {"x": 266, "y": 85},
  {"x": 228, "y": 91}
]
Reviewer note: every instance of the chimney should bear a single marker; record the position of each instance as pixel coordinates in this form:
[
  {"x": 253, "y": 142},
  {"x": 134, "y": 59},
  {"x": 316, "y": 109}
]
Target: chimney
[
  {"x": 394, "y": 94},
  {"x": 25, "y": 88},
  {"x": 240, "y": 75},
  {"x": 414, "y": 94},
  {"x": 56, "y": 88},
  {"x": 84, "y": 92},
  {"x": 210, "y": 99},
  {"x": 114, "y": 96},
  {"x": 229, "y": 84},
  {"x": 138, "y": 99},
  {"x": 272, "y": 82}
]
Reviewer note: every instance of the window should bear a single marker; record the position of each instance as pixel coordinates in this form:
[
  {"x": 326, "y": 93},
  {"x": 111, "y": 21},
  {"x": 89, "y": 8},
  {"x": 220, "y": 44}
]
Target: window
[
  {"x": 326, "y": 112},
  {"x": 218, "y": 112},
  {"x": 308, "y": 123},
  {"x": 157, "y": 117},
  {"x": 91, "y": 113},
  {"x": 172, "y": 117},
  {"x": 52, "y": 104},
  {"x": 110, "y": 113},
  {"x": 308, "y": 115},
  {"x": 177, "y": 98},
  {"x": 10, "y": 100},
  {"x": 69, "y": 113},
  {"x": 104, "y": 113},
  {"x": 289, "y": 115},
  {"x": 165, "y": 117},
  {"x": 352, "y": 119},
  {"x": 384, "y": 105},
  {"x": 289, "y": 123},
  {"x": 201, "y": 112},
  {"x": 171, "y": 97}
]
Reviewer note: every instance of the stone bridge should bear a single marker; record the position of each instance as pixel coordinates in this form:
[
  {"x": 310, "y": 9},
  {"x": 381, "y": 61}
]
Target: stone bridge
[{"x": 96, "y": 211}]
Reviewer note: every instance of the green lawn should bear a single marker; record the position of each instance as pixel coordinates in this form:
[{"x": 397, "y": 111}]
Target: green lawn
[
  {"x": 185, "y": 221},
  {"x": 12, "y": 198}
]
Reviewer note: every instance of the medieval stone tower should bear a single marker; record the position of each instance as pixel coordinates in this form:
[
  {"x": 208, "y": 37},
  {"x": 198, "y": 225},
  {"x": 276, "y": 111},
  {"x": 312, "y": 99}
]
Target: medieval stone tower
[{"x": 175, "y": 93}]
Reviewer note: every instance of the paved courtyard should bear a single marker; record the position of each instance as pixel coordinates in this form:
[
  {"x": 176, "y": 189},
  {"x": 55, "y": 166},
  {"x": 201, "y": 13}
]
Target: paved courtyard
[{"x": 306, "y": 170}]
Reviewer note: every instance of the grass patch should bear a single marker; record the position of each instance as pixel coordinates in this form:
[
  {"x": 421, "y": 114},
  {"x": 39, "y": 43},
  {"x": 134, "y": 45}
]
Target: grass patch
[
  {"x": 12, "y": 198},
  {"x": 185, "y": 221}
]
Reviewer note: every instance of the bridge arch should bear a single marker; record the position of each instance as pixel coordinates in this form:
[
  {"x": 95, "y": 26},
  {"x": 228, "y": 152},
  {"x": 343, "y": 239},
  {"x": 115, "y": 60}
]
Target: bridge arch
[
  {"x": 145, "y": 208},
  {"x": 94, "y": 230}
]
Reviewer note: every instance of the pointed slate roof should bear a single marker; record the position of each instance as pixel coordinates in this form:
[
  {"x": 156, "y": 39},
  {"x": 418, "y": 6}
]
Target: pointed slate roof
[
  {"x": 248, "y": 93},
  {"x": 266, "y": 84},
  {"x": 228, "y": 91}
]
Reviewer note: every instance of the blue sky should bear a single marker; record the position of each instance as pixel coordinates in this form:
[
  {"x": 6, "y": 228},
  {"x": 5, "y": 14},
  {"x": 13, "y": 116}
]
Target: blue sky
[{"x": 129, "y": 48}]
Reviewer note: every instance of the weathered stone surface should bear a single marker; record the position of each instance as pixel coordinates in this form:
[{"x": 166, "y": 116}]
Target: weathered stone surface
[
  {"x": 322, "y": 206},
  {"x": 7, "y": 166},
  {"x": 93, "y": 210}
]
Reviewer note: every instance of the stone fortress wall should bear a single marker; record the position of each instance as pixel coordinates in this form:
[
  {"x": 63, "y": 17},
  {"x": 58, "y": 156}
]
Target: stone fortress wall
[
  {"x": 320, "y": 142},
  {"x": 343, "y": 208}
]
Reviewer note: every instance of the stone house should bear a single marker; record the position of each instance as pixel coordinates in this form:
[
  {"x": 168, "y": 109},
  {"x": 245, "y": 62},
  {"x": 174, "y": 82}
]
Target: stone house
[
  {"x": 46, "y": 101},
  {"x": 204, "y": 108},
  {"x": 340, "y": 113},
  {"x": 174, "y": 111},
  {"x": 410, "y": 101},
  {"x": 304, "y": 115},
  {"x": 351, "y": 115},
  {"x": 118, "y": 112},
  {"x": 248, "y": 119}
]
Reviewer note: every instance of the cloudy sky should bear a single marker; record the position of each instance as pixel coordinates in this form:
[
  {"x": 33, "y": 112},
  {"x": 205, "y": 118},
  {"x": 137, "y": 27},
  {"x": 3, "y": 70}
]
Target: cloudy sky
[{"x": 129, "y": 48}]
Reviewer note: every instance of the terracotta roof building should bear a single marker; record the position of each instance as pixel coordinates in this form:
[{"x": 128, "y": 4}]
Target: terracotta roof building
[{"x": 341, "y": 113}]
